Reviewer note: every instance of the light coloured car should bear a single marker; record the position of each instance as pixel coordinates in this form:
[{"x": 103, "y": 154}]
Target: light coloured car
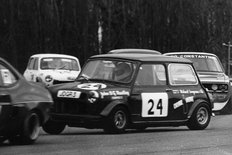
[
  {"x": 212, "y": 76},
  {"x": 52, "y": 68},
  {"x": 134, "y": 51}
]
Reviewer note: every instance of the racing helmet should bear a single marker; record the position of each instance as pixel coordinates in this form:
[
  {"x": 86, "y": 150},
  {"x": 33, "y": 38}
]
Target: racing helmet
[{"x": 123, "y": 72}]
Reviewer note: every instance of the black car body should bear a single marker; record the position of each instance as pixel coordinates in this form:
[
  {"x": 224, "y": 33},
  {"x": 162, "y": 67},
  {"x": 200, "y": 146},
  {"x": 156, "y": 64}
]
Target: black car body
[
  {"x": 24, "y": 106},
  {"x": 212, "y": 76},
  {"x": 160, "y": 91}
]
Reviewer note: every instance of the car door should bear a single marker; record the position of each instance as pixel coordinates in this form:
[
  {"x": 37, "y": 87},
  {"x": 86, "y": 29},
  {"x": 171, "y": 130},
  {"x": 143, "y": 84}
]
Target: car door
[
  {"x": 152, "y": 99},
  {"x": 32, "y": 69},
  {"x": 184, "y": 88},
  {"x": 7, "y": 80},
  {"x": 4, "y": 95}
]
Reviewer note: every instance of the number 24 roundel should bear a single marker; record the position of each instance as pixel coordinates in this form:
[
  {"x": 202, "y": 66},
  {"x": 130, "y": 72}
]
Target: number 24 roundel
[{"x": 154, "y": 104}]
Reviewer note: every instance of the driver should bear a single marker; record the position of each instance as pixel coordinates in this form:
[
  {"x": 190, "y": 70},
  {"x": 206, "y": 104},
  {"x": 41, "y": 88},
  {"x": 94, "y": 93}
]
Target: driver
[{"x": 123, "y": 72}]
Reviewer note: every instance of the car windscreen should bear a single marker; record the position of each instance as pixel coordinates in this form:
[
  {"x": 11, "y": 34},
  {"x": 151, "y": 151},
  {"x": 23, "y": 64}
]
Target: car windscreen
[
  {"x": 110, "y": 70},
  {"x": 59, "y": 63},
  {"x": 205, "y": 63}
]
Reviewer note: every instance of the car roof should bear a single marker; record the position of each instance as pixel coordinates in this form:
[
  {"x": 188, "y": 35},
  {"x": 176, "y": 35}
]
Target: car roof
[
  {"x": 176, "y": 53},
  {"x": 43, "y": 55},
  {"x": 143, "y": 57},
  {"x": 132, "y": 51}
]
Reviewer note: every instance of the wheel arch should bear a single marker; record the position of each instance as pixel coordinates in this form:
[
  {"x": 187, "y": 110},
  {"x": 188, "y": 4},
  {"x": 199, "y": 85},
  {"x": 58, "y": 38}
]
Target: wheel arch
[
  {"x": 40, "y": 114},
  {"x": 195, "y": 104},
  {"x": 38, "y": 79},
  {"x": 106, "y": 111}
]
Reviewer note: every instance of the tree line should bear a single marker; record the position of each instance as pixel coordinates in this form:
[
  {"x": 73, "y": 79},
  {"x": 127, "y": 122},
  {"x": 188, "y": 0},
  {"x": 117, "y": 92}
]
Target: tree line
[{"x": 83, "y": 28}]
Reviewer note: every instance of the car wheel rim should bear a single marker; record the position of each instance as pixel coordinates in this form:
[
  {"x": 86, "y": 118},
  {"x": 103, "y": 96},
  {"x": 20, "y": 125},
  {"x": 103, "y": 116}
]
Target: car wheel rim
[
  {"x": 120, "y": 119},
  {"x": 33, "y": 127},
  {"x": 202, "y": 115}
]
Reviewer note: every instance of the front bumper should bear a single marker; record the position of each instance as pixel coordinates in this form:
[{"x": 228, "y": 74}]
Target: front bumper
[
  {"x": 88, "y": 121},
  {"x": 220, "y": 100}
]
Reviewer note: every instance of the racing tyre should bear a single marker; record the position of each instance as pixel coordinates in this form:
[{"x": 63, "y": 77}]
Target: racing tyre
[
  {"x": 53, "y": 127},
  {"x": 200, "y": 118},
  {"x": 30, "y": 130},
  {"x": 117, "y": 120}
]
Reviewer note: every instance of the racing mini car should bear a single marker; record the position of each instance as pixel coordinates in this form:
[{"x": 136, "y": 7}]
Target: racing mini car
[
  {"x": 24, "y": 106},
  {"x": 52, "y": 69},
  {"x": 123, "y": 91},
  {"x": 213, "y": 78}
]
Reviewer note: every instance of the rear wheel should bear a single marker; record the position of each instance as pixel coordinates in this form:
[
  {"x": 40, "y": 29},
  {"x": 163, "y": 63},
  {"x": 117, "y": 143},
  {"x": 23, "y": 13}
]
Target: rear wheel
[
  {"x": 29, "y": 132},
  {"x": 53, "y": 127},
  {"x": 200, "y": 118},
  {"x": 117, "y": 120}
]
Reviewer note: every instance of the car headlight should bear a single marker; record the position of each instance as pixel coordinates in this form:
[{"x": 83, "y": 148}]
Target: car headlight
[
  {"x": 223, "y": 87},
  {"x": 214, "y": 87},
  {"x": 48, "y": 78}
]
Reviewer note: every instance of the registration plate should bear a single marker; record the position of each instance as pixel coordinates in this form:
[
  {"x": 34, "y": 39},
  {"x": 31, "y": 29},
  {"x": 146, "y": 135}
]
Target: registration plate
[{"x": 68, "y": 94}]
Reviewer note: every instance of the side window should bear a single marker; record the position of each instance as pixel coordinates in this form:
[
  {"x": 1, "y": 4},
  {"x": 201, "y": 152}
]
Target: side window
[
  {"x": 182, "y": 74},
  {"x": 6, "y": 76},
  {"x": 31, "y": 63},
  {"x": 35, "y": 64},
  {"x": 151, "y": 74}
]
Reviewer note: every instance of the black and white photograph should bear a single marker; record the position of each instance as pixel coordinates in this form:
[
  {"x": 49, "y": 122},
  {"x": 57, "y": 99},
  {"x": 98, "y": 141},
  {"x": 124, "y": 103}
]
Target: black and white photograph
[{"x": 115, "y": 77}]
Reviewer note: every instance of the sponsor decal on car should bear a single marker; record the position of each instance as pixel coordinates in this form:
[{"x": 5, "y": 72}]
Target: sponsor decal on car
[
  {"x": 180, "y": 102},
  {"x": 114, "y": 93},
  {"x": 195, "y": 56},
  {"x": 187, "y": 91},
  {"x": 91, "y": 86}
]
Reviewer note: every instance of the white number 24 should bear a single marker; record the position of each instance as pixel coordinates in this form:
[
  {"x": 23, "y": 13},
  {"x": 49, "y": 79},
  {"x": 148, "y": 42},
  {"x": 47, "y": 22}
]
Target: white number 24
[{"x": 154, "y": 104}]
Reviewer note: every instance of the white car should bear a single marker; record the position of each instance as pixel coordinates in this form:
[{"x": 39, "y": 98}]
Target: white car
[
  {"x": 52, "y": 68},
  {"x": 213, "y": 78}
]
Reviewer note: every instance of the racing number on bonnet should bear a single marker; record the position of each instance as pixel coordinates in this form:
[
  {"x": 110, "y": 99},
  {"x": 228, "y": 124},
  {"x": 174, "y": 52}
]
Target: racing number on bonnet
[{"x": 154, "y": 104}]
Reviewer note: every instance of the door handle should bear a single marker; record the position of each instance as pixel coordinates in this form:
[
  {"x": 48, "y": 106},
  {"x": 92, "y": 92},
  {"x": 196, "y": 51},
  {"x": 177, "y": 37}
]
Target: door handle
[{"x": 168, "y": 90}]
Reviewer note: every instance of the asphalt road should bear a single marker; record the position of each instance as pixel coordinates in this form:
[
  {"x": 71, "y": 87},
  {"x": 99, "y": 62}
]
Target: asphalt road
[{"x": 215, "y": 140}]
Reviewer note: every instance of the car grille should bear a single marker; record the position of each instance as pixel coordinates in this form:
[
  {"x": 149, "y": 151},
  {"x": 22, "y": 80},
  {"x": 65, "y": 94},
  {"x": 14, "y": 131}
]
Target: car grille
[
  {"x": 70, "y": 107},
  {"x": 219, "y": 87}
]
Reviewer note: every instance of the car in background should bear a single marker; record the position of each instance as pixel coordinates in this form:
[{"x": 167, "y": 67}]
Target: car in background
[
  {"x": 123, "y": 91},
  {"x": 212, "y": 76},
  {"x": 52, "y": 68},
  {"x": 24, "y": 106},
  {"x": 134, "y": 51}
]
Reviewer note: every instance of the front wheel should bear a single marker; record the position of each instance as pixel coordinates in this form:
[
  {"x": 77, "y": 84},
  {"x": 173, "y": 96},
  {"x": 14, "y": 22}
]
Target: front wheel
[
  {"x": 117, "y": 120},
  {"x": 53, "y": 127},
  {"x": 200, "y": 118}
]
